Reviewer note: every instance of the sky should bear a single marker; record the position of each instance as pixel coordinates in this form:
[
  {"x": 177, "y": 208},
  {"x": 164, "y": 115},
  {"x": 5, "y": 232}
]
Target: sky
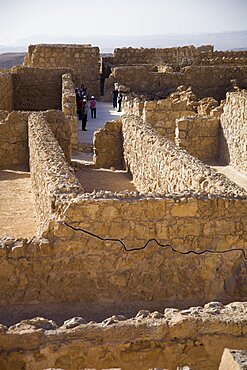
[{"x": 23, "y": 18}]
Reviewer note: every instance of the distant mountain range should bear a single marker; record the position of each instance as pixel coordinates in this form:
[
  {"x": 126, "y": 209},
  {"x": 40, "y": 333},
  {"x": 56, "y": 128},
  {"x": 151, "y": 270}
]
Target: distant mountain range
[{"x": 235, "y": 40}]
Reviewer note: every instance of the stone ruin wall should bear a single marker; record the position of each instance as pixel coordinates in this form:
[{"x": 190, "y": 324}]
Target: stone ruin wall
[
  {"x": 108, "y": 146},
  {"x": 199, "y": 136},
  {"x": 176, "y": 55},
  {"x": 6, "y": 92},
  {"x": 86, "y": 235},
  {"x": 234, "y": 131},
  {"x": 14, "y": 147},
  {"x": 13, "y": 138},
  {"x": 195, "y": 338},
  {"x": 37, "y": 89},
  {"x": 162, "y": 114},
  {"x": 47, "y": 164},
  {"x": 204, "y": 80},
  {"x": 222, "y": 58},
  {"x": 153, "y": 161},
  {"x": 69, "y": 106},
  {"x": 83, "y": 60}
]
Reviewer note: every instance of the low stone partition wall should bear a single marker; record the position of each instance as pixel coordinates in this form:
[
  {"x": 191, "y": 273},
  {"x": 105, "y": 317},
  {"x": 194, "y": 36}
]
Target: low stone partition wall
[
  {"x": 234, "y": 131},
  {"x": 199, "y": 136},
  {"x": 13, "y": 138},
  {"x": 6, "y": 92},
  {"x": 194, "y": 338},
  {"x": 69, "y": 106},
  {"x": 83, "y": 60},
  {"x": 108, "y": 146},
  {"x": 51, "y": 176},
  {"x": 159, "y": 167},
  {"x": 162, "y": 114}
]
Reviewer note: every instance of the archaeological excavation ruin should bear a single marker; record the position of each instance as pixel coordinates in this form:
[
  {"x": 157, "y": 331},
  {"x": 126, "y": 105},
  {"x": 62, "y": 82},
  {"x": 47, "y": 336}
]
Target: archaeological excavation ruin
[{"x": 145, "y": 272}]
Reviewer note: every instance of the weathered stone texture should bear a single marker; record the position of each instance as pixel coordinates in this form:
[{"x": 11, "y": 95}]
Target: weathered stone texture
[
  {"x": 84, "y": 60},
  {"x": 234, "y": 131},
  {"x": 162, "y": 114},
  {"x": 170, "y": 339},
  {"x": 233, "y": 360},
  {"x": 159, "y": 167},
  {"x": 50, "y": 173},
  {"x": 37, "y": 89},
  {"x": 69, "y": 106},
  {"x": 108, "y": 146},
  {"x": 204, "y": 80},
  {"x": 6, "y": 92},
  {"x": 13, "y": 139},
  {"x": 177, "y": 55},
  {"x": 199, "y": 136}
]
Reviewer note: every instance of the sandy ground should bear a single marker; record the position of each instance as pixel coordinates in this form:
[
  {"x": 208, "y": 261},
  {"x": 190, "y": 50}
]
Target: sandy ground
[
  {"x": 102, "y": 179},
  {"x": 17, "y": 208}
]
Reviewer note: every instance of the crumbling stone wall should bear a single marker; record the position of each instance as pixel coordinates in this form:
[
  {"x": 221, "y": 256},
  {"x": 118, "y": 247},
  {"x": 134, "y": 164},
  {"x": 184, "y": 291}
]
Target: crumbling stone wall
[
  {"x": 199, "y": 136},
  {"x": 234, "y": 131},
  {"x": 176, "y": 55},
  {"x": 13, "y": 139},
  {"x": 6, "y": 92},
  {"x": 48, "y": 168},
  {"x": 108, "y": 146},
  {"x": 160, "y": 167},
  {"x": 162, "y": 114},
  {"x": 69, "y": 106},
  {"x": 195, "y": 337},
  {"x": 204, "y": 80},
  {"x": 84, "y": 60}
]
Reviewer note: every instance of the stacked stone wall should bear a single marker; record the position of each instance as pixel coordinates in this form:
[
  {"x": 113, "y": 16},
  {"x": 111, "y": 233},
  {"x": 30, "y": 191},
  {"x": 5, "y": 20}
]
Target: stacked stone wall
[
  {"x": 6, "y": 92},
  {"x": 234, "y": 131},
  {"x": 50, "y": 174},
  {"x": 84, "y": 60},
  {"x": 88, "y": 264},
  {"x": 176, "y": 55},
  {"x": 172, "y": 339},
  {"x": 162, "y": 114},
  {"x": 108, "y": 146},
  {"x": 199, "y": 136},
  {"x": 204, "y": 80},
  {"x": 159, "y": 167},
  {"x": 69, "y": 106},
  {"x": 13, "y": 139},
  {"x": 222, "y": 58},
  {"x": 37, "y": 89}
]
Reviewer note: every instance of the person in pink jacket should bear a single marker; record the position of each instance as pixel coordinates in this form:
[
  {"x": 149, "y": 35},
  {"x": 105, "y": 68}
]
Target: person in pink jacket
[{"x": 93, "y": 107}]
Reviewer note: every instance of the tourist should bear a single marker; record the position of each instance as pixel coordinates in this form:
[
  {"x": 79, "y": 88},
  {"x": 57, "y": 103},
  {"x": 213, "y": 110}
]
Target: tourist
[
  {"x": 93, "y": 107},
  {"x": 78, "y": 103},
  {"x": 119, "y": 100},
  {"x": 84, "y": 92},
  {"x": 114, "y": 98},
  {"x": 84, "y": 115}
]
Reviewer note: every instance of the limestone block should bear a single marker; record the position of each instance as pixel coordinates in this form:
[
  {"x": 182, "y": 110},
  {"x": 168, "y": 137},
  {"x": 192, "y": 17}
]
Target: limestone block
[{"x": 233, "y": 360}]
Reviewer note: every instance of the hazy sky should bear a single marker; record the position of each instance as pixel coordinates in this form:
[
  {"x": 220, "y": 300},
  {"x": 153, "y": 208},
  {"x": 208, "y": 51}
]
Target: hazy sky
[{"x": 22, "y": 18}]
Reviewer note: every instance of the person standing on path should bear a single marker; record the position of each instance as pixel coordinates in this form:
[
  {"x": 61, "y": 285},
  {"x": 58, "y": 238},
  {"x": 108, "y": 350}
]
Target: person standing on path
[
  {"x": 84, "y": 115},
  {"x": 114, "y": 98},
  {"x": 93, "y": 107},
  {"x": 119, "y": 100}
]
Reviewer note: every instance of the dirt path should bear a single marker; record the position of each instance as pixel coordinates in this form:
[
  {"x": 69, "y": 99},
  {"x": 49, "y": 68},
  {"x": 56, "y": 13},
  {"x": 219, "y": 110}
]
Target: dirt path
[
  {"x": 17, "y": 207},
  {"x": 232, "y": 174},
  {"x": 102, "y": 179}
]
